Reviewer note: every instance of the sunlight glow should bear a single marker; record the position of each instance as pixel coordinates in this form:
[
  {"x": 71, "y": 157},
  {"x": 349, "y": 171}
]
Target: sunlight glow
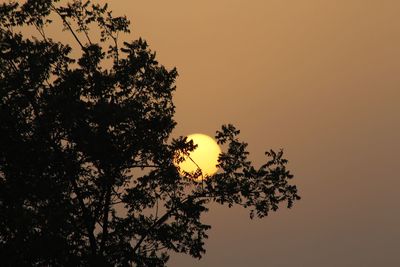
[{"x": 205, "y": 156}]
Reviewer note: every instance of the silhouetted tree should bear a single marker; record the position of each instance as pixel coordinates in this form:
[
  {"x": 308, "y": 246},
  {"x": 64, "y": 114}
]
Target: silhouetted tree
[{"x": 87, "y": 173}]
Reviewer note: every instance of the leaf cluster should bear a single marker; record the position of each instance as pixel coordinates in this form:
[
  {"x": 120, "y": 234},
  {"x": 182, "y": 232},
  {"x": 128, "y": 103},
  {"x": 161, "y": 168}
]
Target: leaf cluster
[{"x": 87, "y": 171}]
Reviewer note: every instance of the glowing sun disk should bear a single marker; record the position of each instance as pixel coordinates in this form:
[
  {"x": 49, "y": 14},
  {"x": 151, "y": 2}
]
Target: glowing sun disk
[{"x": 205, "y": 156}]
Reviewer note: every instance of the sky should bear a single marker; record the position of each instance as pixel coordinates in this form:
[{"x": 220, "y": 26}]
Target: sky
[{"x": 319, "y": 79}]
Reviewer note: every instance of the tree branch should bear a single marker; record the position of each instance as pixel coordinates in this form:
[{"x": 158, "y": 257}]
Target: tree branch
[
  {"x": 87, "y": 218},
  {"x": 163, "y": 219},
  {"x": 69, "y": 27},
  {"x": 157, "y": 223},
  {"x": 105, "y": 216}
]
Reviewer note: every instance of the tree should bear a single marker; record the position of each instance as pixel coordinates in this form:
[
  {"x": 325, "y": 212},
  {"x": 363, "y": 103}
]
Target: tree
[{"x": 87, "y": 173}]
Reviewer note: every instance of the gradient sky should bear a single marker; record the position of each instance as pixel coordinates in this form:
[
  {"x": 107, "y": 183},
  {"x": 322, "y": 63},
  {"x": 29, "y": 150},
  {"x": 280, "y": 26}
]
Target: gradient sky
[{"x": 318, "y": 78}]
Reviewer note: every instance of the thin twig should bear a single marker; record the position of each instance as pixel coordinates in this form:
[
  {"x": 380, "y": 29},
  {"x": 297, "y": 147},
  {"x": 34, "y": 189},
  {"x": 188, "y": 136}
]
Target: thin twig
[{"x": 69, "y": 27}]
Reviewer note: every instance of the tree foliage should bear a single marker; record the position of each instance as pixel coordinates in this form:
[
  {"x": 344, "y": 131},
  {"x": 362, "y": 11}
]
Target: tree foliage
[{"x": 87, "y": 174}]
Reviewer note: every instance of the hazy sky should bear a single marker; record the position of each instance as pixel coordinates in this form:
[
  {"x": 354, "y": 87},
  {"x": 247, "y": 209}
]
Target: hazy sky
[{"x": 318, "y": 78}]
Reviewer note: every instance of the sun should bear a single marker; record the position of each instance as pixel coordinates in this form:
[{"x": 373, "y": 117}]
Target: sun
[{"x": 205, "y": 156}]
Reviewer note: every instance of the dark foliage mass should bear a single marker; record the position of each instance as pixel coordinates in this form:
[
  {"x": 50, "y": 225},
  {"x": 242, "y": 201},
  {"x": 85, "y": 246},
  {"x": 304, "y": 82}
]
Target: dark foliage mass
[{"x": 87, "y": 174}]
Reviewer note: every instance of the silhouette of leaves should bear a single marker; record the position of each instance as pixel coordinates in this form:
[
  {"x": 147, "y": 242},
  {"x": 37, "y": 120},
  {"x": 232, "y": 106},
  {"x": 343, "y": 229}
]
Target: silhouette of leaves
[{"x": 88, "y": 173}]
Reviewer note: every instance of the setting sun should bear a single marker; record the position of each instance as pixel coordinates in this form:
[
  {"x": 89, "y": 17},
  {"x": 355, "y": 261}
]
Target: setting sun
[{"x": 205, "y": 156}]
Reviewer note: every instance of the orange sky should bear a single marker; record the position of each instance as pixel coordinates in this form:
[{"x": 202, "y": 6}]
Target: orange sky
[{"x": 318, "y": 78}]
